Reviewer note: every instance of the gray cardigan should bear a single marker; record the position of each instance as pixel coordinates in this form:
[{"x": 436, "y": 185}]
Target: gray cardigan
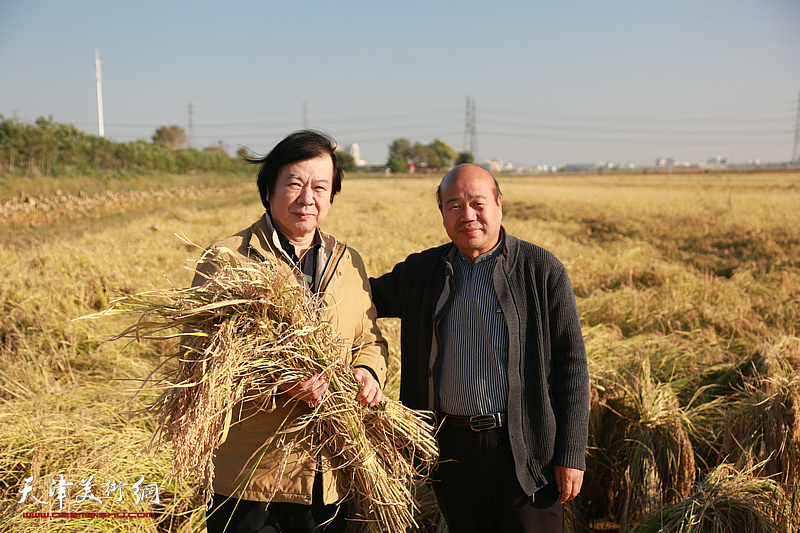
[{"x": 548, "y": 399}]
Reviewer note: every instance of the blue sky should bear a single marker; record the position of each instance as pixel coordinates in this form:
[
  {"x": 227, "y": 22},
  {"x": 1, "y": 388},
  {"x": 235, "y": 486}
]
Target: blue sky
[{"x": 553, "y": 82}]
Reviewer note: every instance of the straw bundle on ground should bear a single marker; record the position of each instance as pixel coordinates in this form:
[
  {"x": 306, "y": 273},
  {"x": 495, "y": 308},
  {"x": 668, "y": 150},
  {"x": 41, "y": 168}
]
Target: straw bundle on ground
[
  {"x": 250, "y": 329},
  {"x": 727, "y": 500},
  {"x": 762, "y": 431},
  {"x": 643, "y": 443},
  {"x": 764, "y": 428}
]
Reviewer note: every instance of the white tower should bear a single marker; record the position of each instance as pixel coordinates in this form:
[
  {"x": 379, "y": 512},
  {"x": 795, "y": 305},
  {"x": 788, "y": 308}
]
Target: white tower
[
  {"x": 100, "y": 125},
  {"x": 355, "y": 151}
]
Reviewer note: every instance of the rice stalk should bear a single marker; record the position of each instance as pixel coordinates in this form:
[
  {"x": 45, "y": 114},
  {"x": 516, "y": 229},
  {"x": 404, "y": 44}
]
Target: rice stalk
[
  {"x": 780, "y": 359},
  {"x": 249, "y": 330}
]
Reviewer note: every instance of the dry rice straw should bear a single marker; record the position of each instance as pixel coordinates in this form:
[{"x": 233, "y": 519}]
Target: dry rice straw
[{"x": 249, "y": 329}]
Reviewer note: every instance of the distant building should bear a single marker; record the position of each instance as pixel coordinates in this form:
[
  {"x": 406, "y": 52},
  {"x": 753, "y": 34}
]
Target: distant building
[
  {"x": 671, "y": 163},
  {"x": 355, "y": 151},
  {"x": 494, "y": 166}
]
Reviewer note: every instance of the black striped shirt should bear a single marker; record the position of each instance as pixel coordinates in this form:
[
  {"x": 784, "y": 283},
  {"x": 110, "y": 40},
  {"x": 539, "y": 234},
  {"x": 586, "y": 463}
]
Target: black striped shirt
[{"x": 473, "y": 372}]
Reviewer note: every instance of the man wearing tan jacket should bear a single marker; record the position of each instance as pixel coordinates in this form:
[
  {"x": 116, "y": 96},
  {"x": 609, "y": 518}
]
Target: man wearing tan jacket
[{"x": 257, "y": 486}]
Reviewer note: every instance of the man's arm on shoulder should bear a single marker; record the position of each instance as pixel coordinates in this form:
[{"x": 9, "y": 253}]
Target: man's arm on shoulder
[
  {"x": 386, "y": 292},
  {"x": 402, "y": 287}
]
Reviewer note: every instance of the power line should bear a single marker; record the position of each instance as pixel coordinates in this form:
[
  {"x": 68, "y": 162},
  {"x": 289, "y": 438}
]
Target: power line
[{"x": 754, "y": 123}]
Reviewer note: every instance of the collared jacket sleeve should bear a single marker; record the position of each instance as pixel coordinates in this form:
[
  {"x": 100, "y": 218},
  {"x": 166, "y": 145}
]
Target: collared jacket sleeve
[
  {"x": 368, "y": 348},
  {"x": 571, "y": 379}
]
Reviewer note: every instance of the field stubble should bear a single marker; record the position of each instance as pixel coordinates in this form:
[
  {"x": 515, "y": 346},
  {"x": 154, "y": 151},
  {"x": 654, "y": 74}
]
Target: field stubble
[{"x": 688, "y": 289}]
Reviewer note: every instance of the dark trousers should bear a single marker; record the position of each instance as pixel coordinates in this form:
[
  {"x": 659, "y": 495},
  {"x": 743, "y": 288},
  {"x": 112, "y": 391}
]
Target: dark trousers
[
  {"x": 230, "y": 515},
  {"x": 477, "y": 488}
]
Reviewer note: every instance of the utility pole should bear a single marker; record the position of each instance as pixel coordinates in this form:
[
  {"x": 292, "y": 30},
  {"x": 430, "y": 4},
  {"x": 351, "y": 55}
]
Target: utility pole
[
  {"x": 796, "y": 131},
  {"x": 191, "y": 124},
  {"x": 100, "y": 125},
  {"x": 305, "y": 116},
  {"x": 470, "y": 135},
  {"x": 473, "y": 145}
]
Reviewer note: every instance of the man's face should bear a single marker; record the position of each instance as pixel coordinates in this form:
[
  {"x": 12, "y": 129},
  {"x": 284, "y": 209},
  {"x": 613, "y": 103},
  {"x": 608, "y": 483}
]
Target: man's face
[
  {"x": 470, "y": 212},
  {"x": 302, "y": 196}
]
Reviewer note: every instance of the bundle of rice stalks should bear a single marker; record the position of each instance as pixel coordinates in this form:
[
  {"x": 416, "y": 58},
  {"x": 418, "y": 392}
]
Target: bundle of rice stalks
[
  {"x": 727, "y": 500},
  {"x": 643, "y": 444},
  {"x": 249, "y": 330},
  {"x": 763, "y": 431}
]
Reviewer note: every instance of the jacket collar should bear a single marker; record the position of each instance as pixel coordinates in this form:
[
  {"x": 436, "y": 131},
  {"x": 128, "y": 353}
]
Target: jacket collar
[{"x": 266, "y": 241}]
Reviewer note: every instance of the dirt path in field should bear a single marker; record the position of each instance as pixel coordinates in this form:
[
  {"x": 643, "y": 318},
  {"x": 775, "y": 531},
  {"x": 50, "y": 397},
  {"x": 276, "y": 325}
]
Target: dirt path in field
[{"x": 41, "y": 211}]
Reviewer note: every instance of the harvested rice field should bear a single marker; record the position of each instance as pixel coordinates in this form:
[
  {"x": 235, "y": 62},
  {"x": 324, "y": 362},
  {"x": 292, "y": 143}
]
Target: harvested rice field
[{"x": 688, "y": 287}]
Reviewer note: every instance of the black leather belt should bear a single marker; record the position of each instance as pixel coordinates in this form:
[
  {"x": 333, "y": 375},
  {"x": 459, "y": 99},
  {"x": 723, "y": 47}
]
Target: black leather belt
[{"x": 476, "y": 422}]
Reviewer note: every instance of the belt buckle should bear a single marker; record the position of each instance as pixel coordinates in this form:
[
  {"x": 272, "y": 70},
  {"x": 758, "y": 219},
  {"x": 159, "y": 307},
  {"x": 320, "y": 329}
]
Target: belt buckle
[{"x": 484, "y": 422}]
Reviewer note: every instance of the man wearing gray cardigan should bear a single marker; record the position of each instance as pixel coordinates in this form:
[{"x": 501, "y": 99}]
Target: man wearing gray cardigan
[{"x": 491, "y": 343}]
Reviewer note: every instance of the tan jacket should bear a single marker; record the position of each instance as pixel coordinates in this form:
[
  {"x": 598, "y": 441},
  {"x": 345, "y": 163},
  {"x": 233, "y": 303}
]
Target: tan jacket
[{"x": 243, "y": 466}]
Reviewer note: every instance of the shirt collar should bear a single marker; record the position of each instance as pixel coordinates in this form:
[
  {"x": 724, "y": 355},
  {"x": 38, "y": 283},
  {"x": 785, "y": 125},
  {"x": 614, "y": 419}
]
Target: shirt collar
[
  {"x": 491, "y": 254},
  {"x": 288, "y": 247}
]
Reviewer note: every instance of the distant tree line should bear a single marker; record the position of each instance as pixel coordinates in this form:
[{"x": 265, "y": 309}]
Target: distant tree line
[
  {"x": 52, "y": 149},
  {"x": 437, "y": 155}
]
